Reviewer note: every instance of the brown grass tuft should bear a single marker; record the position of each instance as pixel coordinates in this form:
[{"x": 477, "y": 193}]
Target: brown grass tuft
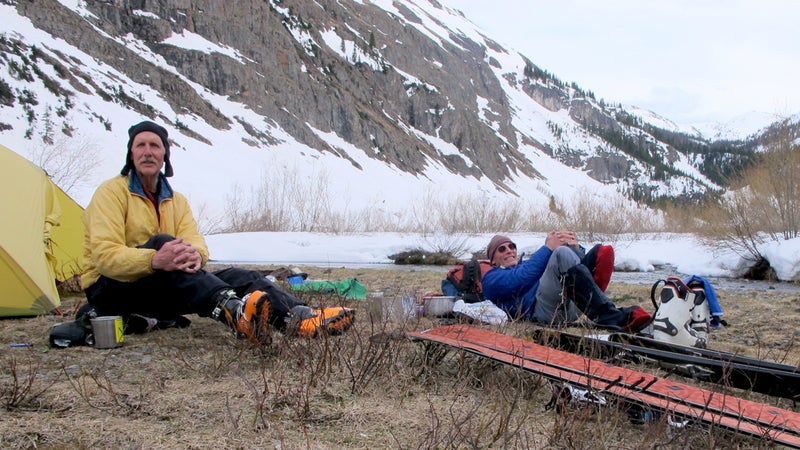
[{"x": 199, "y": 387}]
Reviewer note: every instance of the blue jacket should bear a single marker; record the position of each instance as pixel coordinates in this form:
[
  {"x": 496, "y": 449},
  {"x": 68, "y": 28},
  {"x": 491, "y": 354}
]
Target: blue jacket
[
  {"x": 513, "y": 289},
  {"x": 711, "y": 296}
]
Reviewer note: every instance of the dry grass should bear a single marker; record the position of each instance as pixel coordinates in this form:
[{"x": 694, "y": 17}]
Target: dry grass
[{"x": 200, "y": 388}]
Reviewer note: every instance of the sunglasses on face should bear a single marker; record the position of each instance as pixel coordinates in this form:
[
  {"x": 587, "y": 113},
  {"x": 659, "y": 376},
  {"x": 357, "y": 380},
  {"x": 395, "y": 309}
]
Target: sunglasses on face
[{"x": 509, "y": 246}]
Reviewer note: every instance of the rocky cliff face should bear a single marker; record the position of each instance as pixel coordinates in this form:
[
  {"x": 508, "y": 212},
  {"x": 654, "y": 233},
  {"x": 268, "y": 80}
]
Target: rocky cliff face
[{"x": 408, "y": 82}]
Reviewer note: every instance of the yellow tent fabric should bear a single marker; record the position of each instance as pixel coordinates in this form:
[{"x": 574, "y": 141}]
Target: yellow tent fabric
[
  {"x": 67, "y": 237},
  {"x": 31, "y": 222}
]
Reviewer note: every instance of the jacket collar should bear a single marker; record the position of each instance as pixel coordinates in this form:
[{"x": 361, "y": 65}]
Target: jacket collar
[{"x": 135, "y": 186}]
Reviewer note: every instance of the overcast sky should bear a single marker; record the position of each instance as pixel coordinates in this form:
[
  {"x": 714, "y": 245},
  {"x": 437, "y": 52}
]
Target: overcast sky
[{"x": 688, "y": 60}]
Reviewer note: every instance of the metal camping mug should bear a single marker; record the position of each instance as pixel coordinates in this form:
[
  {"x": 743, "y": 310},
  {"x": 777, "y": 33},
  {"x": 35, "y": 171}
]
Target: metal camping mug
[{"x": 108, "y": 331}]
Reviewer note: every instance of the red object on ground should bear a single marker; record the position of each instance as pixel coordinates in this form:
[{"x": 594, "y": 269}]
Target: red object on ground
[
  {"x": 604, "y": 266},
  {"x": 712, "y": 408}
]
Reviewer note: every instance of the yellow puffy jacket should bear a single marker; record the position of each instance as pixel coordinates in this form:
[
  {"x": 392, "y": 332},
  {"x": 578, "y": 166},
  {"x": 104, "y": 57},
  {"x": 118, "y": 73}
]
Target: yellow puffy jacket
[{"x": 120, "y": 217}]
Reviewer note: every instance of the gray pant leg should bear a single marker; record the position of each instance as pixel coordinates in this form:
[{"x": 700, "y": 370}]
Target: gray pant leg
[{"x": 551, "y": 306}]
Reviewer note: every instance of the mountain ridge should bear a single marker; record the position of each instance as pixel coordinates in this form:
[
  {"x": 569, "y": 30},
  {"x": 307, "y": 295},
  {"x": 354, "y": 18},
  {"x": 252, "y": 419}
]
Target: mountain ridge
[{"x": 409, "y": 94}]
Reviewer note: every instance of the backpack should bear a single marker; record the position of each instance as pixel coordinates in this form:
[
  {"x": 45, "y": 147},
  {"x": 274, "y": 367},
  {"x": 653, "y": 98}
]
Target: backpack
[
  {"x": 466, "y": 277},
  {"x": 682, "y": 313}
]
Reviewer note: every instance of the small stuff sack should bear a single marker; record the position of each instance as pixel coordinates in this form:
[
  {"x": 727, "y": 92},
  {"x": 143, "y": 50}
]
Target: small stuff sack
[
  {"x": 75, "y": 333},
  {"x": 466, "y": 278},
  {"x": 682, "y": 313},
  {"x": 483, "y": 312}
]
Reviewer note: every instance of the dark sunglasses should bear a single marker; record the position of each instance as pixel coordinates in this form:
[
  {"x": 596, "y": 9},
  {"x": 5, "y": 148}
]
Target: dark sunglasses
[{"x": 504, "y": 247}]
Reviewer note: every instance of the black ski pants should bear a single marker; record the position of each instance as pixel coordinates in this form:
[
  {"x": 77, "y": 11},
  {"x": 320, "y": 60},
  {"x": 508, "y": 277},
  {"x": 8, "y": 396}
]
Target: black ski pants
[{"x": 164, "y": 295}]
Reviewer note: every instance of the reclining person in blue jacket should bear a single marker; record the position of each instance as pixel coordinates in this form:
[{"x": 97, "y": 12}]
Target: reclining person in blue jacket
[{"x": 554, "y": 286}]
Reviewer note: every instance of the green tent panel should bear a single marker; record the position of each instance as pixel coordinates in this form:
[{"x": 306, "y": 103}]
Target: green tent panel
[
  {"x": 36, "y": 239},
  {"x": 349, "y": 289}
]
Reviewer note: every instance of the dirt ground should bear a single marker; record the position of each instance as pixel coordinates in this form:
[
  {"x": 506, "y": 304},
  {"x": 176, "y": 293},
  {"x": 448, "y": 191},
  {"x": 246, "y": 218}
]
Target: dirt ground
[{"x": 199, "y": 387}]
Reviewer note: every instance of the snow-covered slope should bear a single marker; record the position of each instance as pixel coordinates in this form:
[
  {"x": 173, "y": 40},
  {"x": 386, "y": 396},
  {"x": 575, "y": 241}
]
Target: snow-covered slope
[{"x": 375, "y": 106}]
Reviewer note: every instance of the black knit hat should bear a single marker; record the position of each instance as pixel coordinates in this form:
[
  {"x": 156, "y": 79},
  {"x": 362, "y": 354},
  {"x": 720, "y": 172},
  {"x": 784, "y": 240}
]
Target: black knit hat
[{"x": 155, "y": 128}]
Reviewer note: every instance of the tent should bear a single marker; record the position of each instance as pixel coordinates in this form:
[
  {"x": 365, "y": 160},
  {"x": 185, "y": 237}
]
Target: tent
[{"x": 41, "y": 238}]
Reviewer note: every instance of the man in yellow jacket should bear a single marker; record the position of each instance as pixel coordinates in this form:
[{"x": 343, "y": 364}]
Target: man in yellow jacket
[{"x": 144, "y": 258}]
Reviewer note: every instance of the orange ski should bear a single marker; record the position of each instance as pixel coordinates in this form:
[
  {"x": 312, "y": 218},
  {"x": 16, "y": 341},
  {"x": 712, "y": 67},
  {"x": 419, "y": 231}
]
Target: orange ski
[{"x": 753, "y": 418}]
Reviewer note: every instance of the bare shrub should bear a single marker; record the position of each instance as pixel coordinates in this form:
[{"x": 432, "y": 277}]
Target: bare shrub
[
  {"x": 365, "y": 362},
  {"x": 282, "y": 202},
  {"x": 368, "y": 388},
  {"x": 502, "y": 417},
  {"x": 679, "y": 218},
  {"x": 766, "y": 205},
  {"x": 207, "y": 222},
  {"x": 67, "y": 160},
  {"x": 421, "y": 213},
  {"x": 242, "y": 212},
  {"x": 732, "y": 226},
  {"x": 285, "y": 201},
  {"x": 538, "y": 219},
  {"x": 18, "y": 390},
  {"x": 466, "y": 214},
  {"x": 451, "y": 244},
  {"x": 371, "y": 218},
  {"x": 601, "y": 218},
  {"x": 775, "y": 187}
]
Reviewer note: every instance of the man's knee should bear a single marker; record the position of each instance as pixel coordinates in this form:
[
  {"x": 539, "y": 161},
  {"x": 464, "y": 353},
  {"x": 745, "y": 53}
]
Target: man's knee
[
  {"x": 565, "y": 258},
  {"x": 155, "y": 242}
]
